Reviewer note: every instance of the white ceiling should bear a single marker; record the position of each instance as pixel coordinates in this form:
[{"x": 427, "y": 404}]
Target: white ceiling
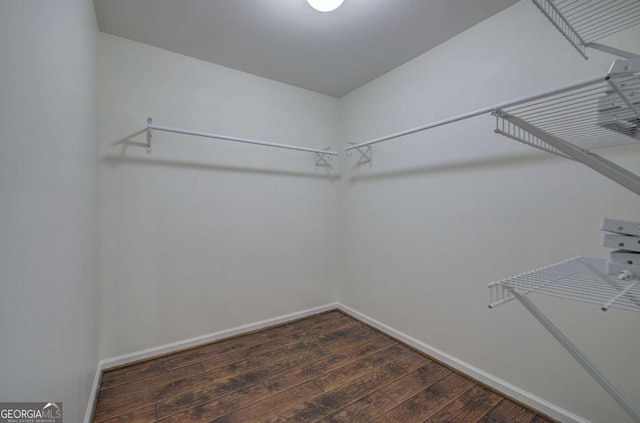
[{"x": 286, "y": 40}]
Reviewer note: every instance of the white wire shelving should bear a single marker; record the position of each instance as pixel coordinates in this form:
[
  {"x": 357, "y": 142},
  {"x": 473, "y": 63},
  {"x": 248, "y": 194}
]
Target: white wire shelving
[
  {"x": 581, "y": 279},
  {"x": 583, "y": 22},
  {"x": 569, "y": 121},
  {"x": 321, "y": 155}
]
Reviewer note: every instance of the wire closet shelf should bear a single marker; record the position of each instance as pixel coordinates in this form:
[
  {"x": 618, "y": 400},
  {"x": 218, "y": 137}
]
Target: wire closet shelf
[
  {"x": 583, "y": 22},
  {"x": 581, "y": 279},
  {"x": 602, "y": 113},
  {"x": 569, "y": 121}
]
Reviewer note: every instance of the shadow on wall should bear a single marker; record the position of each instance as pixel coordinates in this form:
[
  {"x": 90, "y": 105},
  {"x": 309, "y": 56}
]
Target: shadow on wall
[
  {"x": 452, "y": 167},
  {"x": 130, "y": 140}
]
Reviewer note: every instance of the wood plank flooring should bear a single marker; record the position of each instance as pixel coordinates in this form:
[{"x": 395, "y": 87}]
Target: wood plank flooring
[{"x": 326, "y": 368}]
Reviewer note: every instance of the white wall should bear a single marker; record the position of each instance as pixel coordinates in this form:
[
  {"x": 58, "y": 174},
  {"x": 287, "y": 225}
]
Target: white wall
[
  {"x": 205, "y": 235},
  {"x": 48, "y": 202},
  {"x": 442, "y": 213}
]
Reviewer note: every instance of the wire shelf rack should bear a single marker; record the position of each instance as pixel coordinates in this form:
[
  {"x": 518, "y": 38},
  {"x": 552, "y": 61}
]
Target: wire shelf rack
[
  {"x": 603, "y": 114},
  {"x": 581, "y": 279},
  {"x": 585, "y": 21}
]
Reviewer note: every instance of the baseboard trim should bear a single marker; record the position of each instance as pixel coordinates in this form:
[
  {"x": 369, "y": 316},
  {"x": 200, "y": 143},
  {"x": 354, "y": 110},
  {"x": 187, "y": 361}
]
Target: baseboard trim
[
  {"x": 463, "y": 367},
  {"x": 93, "y": 395},
  {"x": 216, "y": 336}
]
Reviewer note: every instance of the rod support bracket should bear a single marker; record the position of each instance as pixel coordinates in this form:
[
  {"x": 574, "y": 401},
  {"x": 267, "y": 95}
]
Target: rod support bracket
[
  {"x": 325, "y": 158},
  {"x": 366, "y": 153},
  {"x": 149, "y": 134}
]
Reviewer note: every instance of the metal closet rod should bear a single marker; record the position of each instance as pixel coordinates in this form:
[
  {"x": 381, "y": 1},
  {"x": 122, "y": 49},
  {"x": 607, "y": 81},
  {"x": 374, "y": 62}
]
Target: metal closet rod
[
  {"x": 491, "y": 109},
  {"x": 238, "y": 139}
]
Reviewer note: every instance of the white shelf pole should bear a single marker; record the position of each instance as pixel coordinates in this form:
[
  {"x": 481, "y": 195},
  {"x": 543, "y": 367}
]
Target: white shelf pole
[
  {"x": 241, "y": 140},
  {"x": 579, "y": 357}
]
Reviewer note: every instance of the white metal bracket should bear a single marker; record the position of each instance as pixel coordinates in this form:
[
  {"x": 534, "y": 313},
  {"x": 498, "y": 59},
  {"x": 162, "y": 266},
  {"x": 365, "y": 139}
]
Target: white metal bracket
[
  {"x": 149, "y": 134},
  {"x": 509, "y": 130},
  {"x": 612, "y": 50},
  {"x": 598, "y": 163},
  {"x": 324, "y": 157},
  {"x": 366, "y": 153},
  {"x": 611, "y": 389},
  {"x": 624, "y": 66}
]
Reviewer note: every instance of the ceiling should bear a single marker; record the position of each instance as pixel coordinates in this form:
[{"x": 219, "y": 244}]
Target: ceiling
[{"x": 288, "y": 41}]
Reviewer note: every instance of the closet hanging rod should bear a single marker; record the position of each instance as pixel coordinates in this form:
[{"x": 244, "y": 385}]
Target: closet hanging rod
[
  {"x": 152, "y": 126},
  {"x": 483, "y": 111}
]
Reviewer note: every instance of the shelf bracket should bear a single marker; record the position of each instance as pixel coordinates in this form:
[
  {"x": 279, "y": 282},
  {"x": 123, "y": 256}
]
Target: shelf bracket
[
  {"x": 612, "y": 50},
  {"x": 618, "y": 396},
  {"x": 149, "y": 134},
  {"x": 366, "y": 153},
  {"x": 324, "y": 157},
  {"x": 598, "y": 163},
  {"x": 509, "y": 130}
]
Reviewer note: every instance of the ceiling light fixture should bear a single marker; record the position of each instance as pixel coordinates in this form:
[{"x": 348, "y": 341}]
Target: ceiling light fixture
[{"x": 325, "y": 5}]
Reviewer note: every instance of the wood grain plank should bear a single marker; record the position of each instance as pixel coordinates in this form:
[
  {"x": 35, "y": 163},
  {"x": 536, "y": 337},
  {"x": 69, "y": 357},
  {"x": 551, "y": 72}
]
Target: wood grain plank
[
  {"x": 427, "y": 402},
  {"x": 326, "y": 403},
  {"x": 142, "y": 415},
  {"x": 470, "y": 407},
  {"x": 416, "y": 381},
  {"x": 151, "y": 367},
  {"x": 114, "y": 402},
  {"x": 343, "y": 354},
  {"x": 361, "y": 366},
  {"x": 124, "y": 398},
  {"x": 205, "y": 391},
  {"x": 363, "y": 410},
  {"x": 157, "y": 379},
  {"x": 188, "y": 412},
  {"x": 314, "y": 335},
  {"x": 247, "y": 372},
  {"x": 354, "y": 350},
  {"x": 272, "y": 405},
  {"x": 508, "y": 411},
  {"x": 412, "y": 360},
  {"x": 224, "y": 383}
]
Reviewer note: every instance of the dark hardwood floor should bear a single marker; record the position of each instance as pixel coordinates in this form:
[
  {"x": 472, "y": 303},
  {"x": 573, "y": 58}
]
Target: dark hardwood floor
[{"x": 325, "y": 368}]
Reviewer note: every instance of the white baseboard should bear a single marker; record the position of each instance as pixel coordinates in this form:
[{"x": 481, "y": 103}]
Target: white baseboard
[
  {"x": 93, "y": 394},
  {"x": 193, "y": 342},
  {"x": 463, "y": 367},
  {"x": 205, "y": 339},
  {"x": 481, "y": 376}
]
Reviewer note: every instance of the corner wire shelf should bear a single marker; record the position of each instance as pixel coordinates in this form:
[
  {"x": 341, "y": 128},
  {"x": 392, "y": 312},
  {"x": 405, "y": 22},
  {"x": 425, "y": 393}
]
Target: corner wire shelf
[
  {"x": 582, "y": 279},
  {"x": 583, "y": 22},
  {"x": 599, "y": 113},
  {"x": 569, "y": 121}
]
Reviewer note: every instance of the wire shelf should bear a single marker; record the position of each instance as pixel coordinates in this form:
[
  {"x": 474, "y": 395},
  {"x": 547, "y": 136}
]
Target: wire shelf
[
  {"x": 581, "y": 279},
  {"x": 602, "y": 114},
  {"x": 586, "y": 21}
]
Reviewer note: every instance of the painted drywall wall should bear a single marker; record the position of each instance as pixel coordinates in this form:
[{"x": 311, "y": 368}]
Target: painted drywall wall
[
  {"x": 204, "y": 235},
  {"x": 48, "y": 203},
  {"x": 442, "y": 213}
]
